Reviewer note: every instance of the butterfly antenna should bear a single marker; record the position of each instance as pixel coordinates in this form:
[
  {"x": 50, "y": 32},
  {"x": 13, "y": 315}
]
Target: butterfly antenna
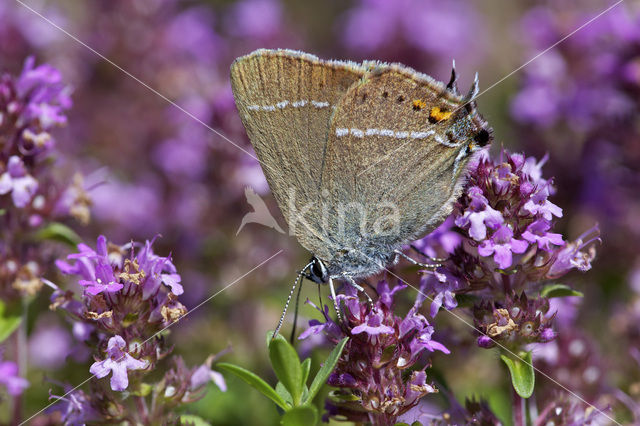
[{"x": 286, "y": 305}]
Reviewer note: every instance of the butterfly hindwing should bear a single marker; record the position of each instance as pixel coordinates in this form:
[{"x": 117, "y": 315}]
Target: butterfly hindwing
[{"x": 397, "y": 144}]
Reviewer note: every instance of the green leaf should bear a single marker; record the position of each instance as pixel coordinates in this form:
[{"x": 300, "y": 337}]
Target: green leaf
[
  {"x": 326, "y": 369},
  {"x": 522, "y": 373},
  {"x": 9, "y": 321},
  {"x": 59, "y": 232},
  {"x": 559, "y": 290},
  {"x": 254, "y": 381},
  {"x": 306, "y": 366},
  {"x": 286, "y": 364},
  {"x": 302, "y": 415},
  {"x": 284, "y": 393},
  {"x": 190, "y": 419}
]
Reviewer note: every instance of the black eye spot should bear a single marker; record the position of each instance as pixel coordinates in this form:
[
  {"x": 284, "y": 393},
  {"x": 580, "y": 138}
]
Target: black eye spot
[
  {"x": 482, "y": 137},
  {"x": 400, "y": 98},
  {"x": 385, "y": 94}
]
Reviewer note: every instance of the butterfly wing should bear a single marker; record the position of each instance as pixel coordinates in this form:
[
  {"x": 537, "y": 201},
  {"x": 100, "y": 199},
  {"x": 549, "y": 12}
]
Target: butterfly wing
[
  {"x": 285, "y": 99},
  {"x": 398, "y": 144}
]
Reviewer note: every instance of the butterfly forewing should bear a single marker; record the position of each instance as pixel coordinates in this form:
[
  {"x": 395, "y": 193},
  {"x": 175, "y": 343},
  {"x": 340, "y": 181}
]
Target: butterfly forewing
[{"x": 285, "y": 100}]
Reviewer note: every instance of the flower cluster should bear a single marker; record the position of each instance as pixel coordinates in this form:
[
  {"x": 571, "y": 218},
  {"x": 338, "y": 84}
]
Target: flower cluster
[
  {"x": 382, "y": 347},
  {"x": 31, "y": 105},
  {"x": 583, "y": 109},
  {"x": 517, "y": 322},
  {"x": 130, "y": 297},
  {"x": 31, "y": 193},
  {"x": 506, "y": 251}
]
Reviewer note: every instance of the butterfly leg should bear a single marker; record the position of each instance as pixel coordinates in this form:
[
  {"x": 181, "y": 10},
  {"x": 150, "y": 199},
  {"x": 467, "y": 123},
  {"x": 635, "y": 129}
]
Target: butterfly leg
[
  {"x": 415, "y": 262},
  {"x": 359, "y": 288},
  {"x": 286, "y": 305},
  {"x": 421, "y": 253},
  {"x": 335, "y": 300}
]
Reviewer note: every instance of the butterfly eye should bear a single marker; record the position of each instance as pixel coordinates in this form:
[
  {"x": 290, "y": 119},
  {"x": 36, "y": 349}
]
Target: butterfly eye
[{"x": 318, "y": 272}]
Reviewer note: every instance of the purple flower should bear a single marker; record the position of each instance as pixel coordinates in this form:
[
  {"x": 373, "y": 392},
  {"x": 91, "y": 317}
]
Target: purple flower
[
  {"x": 418, "y": 387},
  {"x": 173, "y": 282},
  {"x": 381, "y": 347},
  {"x": 315, "y": 327},
  {"x": 10, "y": 379},
  {"x": 386, "y": 294},
  {"x": 17, "y": 181},
  {"x": 442, "y": 284},
  {"x": 486, "y": 342},
  {"x": 442, "y": 237},
  {"x": 537, "y": 232},
  {"x": 539, "y": 205},
  {"x": 204, "y": 374},
  {"x": 75, "y": 408},
  {"x": 48, "y": 96},
  {"x": 104, "y": 280},
  {"x": 479, "y": 215},
  {"x": 373, "y": 326},
  {"x": 501, "y": 245},
  {"x": 570, "y": 256},
  {"x": 118, "y": 362}
]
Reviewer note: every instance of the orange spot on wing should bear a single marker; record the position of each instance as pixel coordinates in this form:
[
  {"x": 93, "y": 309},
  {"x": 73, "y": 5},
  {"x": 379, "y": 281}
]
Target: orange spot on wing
[
  {"x": 437, "y": 114},
  {"x": 418, "y": 104}
]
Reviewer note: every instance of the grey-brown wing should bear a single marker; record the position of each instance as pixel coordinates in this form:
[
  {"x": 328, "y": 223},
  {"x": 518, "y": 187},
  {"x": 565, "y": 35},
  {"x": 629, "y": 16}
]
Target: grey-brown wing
[
  {"x": 398, "y": 143},
  {"x": 285, "y": 99}
]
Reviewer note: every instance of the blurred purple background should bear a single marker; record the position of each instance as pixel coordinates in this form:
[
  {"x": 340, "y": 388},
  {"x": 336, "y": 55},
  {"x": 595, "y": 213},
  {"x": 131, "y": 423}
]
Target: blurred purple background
[{"x": 151, "y": 169}]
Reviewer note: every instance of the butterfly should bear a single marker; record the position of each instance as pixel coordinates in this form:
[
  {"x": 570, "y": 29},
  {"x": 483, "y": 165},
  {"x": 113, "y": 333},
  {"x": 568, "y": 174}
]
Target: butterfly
[{"x": 362, "y": 158}]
